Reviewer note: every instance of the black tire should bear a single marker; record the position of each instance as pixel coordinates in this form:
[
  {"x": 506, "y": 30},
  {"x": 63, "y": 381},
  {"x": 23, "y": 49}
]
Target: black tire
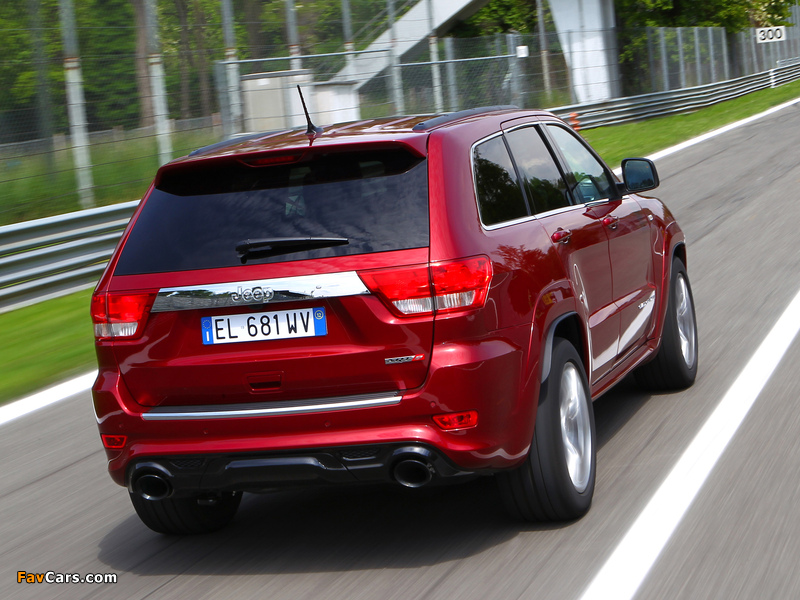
[
  {"x": 675, "y": 365},
  {"x": 543, "y": 488},
  {"x": 187, "y": 516}
]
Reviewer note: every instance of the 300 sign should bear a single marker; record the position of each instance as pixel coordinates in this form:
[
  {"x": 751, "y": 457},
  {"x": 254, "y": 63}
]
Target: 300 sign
[{"x": 770, "y": 34}]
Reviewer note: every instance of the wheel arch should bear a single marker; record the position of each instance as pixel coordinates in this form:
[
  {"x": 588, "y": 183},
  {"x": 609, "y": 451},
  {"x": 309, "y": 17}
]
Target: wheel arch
[
  {"x": 679, "y": 251},
  {"x": 569, "y": 327}
]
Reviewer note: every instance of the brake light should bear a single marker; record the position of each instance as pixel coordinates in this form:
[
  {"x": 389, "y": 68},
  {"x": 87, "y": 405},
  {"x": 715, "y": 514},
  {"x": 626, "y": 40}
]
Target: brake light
[
  {"x": 461, "y": 284},
  {"x": 120, "y": 315},
  {"x": 269, "y": 160},
  {"x": 445, "y": 287}
]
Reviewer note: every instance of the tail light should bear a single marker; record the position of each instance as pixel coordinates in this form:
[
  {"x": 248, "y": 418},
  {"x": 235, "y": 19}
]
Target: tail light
[
  {"x": 120, "y": 315},
  {"x": 444, "y": 287}
]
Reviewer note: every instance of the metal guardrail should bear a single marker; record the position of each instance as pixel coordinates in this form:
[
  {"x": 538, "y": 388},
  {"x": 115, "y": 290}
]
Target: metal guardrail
[
  {"x": 54, "y": 256},
  {"x": 58, "y": 255},
  {"x": 659, "y": 104}
]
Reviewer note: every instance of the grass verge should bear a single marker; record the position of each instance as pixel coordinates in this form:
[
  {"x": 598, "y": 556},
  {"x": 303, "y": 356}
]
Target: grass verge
[
  {"x": 51, "y": 341},
  {"x": 45, "y": 344},
  {"x": 43, "y": 185},
  {"x": 643, "y": 138}
]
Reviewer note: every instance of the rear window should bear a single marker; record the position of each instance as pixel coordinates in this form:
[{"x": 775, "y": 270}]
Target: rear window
[
  {"x": 377, "y": 200},
  {"x": 499, "y": 195}
]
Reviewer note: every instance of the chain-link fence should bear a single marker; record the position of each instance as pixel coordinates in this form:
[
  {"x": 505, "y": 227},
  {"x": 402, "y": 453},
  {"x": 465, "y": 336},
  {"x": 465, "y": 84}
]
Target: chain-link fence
[
  {"x": 661, "y": 58},
  {"x": 152, "y": 87},
  {"x": 436, "y": 75},
  {"x": 38, "y": 136}
]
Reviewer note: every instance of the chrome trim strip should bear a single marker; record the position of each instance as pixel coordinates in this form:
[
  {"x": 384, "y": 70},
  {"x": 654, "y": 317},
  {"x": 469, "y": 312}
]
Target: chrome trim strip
[
  {"x": 266, "y": 409},
  {"x": 259, "y": 292},
  {"x": 508, "y": 223}
]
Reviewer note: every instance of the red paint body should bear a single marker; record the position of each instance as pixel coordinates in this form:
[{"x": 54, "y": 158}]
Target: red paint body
[{"x": 487, "y": 359}]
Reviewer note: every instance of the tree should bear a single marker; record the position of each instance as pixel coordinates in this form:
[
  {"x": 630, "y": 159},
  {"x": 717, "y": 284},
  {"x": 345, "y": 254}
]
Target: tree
[
  {"x": 146, "y": 109},
  {"x": 106, "y": 43},
  {"x": 734, "y": 15},
  {"x": 633, "y": 16},
  {"x": 499, "y": 16}
]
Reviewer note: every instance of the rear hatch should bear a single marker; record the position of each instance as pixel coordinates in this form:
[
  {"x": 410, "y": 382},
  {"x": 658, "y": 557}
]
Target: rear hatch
[{"x": 272, "y": 277}]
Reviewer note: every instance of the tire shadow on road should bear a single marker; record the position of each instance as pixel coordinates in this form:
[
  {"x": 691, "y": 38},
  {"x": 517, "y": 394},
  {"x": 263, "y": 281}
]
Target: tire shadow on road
[
  {"x": 325, "y": 529},
  {"x": 613, "y": 410}
]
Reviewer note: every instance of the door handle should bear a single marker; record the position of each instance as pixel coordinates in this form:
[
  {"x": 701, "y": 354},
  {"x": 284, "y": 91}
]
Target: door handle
[
  {"x": 611, "y": 221},
  {"x": 561, "y": 236}
]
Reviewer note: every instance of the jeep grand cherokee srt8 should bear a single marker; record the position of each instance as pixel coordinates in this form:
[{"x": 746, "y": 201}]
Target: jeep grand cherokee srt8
[{"x": 408, "y": 300}]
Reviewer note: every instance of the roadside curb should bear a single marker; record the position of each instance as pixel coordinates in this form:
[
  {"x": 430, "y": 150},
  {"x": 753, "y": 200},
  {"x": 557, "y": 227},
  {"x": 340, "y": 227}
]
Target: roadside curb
[{"x": 57, "y": 393}]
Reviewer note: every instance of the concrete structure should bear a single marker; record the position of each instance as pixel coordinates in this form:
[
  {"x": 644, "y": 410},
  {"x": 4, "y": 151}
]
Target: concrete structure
[
  {"x": 410, "y": 29},
  {"x": 271, "y": 101},
  {"x": 586, "y": 32}
]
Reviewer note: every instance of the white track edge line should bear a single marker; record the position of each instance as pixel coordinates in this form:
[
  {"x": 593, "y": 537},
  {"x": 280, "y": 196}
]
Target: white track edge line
[
  {"x": 631, "y": 561},
  {"x": 724, "y": 129},
  {"x": 57, "y": 393},
  {"x": 714, "y": 133}
]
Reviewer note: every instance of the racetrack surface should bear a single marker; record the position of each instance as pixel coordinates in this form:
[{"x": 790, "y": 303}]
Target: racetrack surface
[{"x": 735, "y": 197}]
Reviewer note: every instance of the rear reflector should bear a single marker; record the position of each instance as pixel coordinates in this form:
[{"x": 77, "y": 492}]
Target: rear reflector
[
  {"x": 445, "y": 287},
  {"x": 462, "y": 420},
  {"x": 114, "y": 442},
  {"x": 120, "y": 315}
]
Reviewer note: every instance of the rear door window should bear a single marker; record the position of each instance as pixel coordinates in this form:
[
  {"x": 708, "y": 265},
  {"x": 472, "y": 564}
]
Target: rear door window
[
  {"x": 542, "y": 180},
  {"x": 499, "y": 195},
  {"x": 196, "y": 218}
]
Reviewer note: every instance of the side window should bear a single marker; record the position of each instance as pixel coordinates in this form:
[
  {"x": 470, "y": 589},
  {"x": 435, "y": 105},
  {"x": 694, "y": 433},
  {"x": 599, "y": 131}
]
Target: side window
[
  {"x": 541, "y": 177},
  {"x": 496, "y": 186},
  {"x": 587, "y": 177}
]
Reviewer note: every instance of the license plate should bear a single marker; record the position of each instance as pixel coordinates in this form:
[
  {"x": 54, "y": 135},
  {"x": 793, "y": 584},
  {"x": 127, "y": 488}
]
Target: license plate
[{"x": 253, "y": 327}]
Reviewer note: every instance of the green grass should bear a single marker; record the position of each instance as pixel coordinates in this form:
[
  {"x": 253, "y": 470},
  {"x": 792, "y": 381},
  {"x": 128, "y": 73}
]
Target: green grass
[
  {"x": 51, "y": 341},
  {"x": 640, "y": 139},
  {"x": 44, "y": 344},
  {"x": 42, "y": 185}
]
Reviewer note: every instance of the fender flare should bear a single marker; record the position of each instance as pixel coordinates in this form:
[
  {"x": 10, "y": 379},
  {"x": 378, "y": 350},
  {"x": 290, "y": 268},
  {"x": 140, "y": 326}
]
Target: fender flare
[{"x": 548, "y": 343}]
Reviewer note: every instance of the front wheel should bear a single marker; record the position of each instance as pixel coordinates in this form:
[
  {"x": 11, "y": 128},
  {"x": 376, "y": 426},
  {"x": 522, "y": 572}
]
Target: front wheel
[
  {"x": 675, "y": 365},
  {"x": 556, "y": 481}
]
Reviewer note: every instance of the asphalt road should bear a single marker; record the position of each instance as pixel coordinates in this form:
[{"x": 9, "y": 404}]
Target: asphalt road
[{"x": 736, "y": 198}]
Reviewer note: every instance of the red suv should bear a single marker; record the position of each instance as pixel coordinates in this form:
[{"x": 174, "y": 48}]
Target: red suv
[{"x": 411, "y": 300}]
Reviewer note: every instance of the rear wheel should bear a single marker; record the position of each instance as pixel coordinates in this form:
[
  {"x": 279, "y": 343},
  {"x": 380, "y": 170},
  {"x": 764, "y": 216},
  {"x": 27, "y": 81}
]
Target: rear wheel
[
  {"x": 556, "y": 481},
  {"x": 187, "y": 516},
  {"x": 675, "y": 365}
]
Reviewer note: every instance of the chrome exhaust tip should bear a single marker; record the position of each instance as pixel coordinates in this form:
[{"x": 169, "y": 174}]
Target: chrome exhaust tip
[
  {"x": 151, "y": 481},
  {"x": 152, "y": 486},
  {"x": 413, "y": 473}
]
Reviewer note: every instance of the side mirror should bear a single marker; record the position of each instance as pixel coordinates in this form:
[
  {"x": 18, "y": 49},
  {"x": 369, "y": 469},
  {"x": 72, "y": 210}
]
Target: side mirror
[{"x": 639, "y": 174}]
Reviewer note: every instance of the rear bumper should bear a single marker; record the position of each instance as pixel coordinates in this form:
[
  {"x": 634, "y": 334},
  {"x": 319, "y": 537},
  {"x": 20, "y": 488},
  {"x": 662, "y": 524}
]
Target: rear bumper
[
  {"x": 199, "y": 474},
  {"x": 274, "y": 443}
]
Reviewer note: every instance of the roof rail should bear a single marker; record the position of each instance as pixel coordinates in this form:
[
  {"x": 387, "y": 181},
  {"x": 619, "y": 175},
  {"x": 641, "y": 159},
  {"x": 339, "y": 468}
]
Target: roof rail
[{"x": 461, "y": 114}]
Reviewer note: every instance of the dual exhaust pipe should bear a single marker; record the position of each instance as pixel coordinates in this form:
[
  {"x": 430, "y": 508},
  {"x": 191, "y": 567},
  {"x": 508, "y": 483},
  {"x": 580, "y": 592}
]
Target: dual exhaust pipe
[{"x": 412, "y": 467}]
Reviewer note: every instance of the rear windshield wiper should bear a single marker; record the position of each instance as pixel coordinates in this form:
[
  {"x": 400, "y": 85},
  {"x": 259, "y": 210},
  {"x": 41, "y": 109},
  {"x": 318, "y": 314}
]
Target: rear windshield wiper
[{"x": 285, "y": 245}]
